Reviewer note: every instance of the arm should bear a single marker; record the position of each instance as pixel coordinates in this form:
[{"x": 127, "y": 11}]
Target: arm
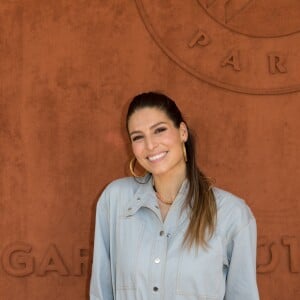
[
  {"x": 241, "y": 276},
  {"x": 101, "y": 280}
]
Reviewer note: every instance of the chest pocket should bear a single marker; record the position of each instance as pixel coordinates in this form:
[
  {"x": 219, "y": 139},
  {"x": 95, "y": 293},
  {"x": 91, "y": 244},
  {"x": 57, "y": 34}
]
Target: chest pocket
[
  {"x": 130, "y": 235},
  {"x": 199, "y": 273}
]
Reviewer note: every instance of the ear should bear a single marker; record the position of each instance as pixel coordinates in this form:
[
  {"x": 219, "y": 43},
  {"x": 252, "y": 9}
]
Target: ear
[{"x": 183, "y": 132}]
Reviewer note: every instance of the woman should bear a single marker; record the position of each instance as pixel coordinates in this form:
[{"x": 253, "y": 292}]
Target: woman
[{"x": 170, "y": 234}]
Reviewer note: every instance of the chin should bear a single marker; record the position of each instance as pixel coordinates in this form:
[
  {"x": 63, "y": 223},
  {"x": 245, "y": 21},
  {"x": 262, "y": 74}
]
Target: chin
[{"x": 158, "y": 172}]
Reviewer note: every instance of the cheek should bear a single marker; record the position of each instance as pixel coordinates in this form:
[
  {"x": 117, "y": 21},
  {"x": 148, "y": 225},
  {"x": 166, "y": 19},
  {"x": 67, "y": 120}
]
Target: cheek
[
  {"x": 173, "y": 138},
  {"x": 137, "y": 149},
  {"x": 173, "y": 141}
]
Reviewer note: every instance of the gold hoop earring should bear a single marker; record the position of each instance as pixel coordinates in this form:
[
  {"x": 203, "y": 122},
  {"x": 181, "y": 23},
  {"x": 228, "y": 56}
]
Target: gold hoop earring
[
  {"x": 184, "y": 152},
  {"x": 131, "y": 168}
]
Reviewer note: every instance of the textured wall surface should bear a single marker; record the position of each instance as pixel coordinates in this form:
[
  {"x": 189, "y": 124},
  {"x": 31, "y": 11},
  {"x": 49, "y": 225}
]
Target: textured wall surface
[{"x": 68, "y": 68}]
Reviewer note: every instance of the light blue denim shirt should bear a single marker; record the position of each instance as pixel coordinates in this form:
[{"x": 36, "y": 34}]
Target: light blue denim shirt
[{"x": 137, "y": 256}]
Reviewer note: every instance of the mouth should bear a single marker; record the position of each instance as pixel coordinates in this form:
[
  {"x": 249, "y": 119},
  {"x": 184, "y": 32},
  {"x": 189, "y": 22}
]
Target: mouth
[{"x": 157, "y": 157}]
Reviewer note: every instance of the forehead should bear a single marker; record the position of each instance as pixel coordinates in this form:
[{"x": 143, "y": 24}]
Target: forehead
[{"x": 146, "y": 117}]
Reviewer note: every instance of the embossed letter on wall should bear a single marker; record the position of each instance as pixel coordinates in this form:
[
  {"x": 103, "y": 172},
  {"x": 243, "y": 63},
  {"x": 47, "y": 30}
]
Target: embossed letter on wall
[
  {"x": 242, "y": 45},
  {"x": 20, "y": 260},
  {"x": 271, "y": 250}
]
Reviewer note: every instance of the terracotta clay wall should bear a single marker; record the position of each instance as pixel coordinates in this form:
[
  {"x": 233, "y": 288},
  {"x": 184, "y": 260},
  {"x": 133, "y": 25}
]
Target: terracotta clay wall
[{"x": 68, "y": 68}]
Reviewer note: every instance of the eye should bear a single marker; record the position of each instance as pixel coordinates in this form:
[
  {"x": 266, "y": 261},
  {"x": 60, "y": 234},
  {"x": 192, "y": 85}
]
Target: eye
[
  {"x": 137, "y": 137},
  {"x": 160, "y": 129}
]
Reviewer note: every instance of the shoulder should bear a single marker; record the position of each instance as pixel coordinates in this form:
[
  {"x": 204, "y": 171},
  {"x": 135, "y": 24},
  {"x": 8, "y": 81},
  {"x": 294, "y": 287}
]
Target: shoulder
[
  {"x": 121, "y": 184},
  {"x": 230, "y": 202},
  {"x": 233, "y": 213},
  {"x": 117, "y": 192}
]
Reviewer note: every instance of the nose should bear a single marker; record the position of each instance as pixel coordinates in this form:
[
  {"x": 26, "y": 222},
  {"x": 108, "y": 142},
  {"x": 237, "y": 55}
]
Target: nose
[{"x": 150, "y": 143}]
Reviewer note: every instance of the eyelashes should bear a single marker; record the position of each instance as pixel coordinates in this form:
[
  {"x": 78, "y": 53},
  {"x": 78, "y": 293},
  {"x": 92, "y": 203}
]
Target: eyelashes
[
  {"x": 160, "y": 129},
  {"x": 136, "y": 138},
  {"x": 156, "y": 131}
]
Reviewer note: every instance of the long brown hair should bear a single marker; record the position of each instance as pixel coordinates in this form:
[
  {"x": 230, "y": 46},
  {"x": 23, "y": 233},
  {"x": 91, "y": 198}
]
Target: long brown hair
[{"x": 200, "y": 197}]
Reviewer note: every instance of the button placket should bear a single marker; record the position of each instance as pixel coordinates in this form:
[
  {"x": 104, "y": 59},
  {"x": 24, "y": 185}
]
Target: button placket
[{"x": 159, "y": 263}]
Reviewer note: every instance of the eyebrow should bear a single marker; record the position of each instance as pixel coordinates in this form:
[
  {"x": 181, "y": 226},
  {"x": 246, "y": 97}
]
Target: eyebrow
[{"x": 151, "y": 127}]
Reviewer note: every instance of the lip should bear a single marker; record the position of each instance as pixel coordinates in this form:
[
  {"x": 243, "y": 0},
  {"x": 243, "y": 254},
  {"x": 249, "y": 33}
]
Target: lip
[{"x": 157, "y": 157}]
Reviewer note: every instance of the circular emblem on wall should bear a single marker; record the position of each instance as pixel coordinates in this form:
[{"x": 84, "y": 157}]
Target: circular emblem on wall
[{"x": 245, "y": 46}]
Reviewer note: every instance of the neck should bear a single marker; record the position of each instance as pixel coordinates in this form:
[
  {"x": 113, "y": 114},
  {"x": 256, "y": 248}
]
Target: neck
[{"x": 168, "y": 186}]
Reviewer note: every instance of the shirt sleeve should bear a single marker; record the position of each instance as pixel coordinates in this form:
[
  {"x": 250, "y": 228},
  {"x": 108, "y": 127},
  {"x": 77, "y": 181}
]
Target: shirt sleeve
[
  {"x": 241, "y": 276},
  {"x": 101, "y": 279}
]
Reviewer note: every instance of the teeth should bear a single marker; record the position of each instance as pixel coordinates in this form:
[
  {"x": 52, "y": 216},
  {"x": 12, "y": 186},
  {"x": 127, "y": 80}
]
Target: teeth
[{"x": 158, "y": 156}]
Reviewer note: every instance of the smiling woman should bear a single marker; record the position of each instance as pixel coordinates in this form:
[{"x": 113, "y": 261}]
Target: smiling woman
[
  {"x": 157, "y": 143},
  {"x": 171, "y": 234}
]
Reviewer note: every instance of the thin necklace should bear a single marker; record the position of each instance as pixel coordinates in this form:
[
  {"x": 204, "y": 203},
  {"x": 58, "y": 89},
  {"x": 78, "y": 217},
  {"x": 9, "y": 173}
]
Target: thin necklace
[
  {"x": 160, "y": 198},
  {"x": 163, "y": 201}
]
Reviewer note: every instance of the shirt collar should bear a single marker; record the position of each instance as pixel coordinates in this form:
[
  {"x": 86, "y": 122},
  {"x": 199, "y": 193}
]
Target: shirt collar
[{"x": 145, "y": 197}]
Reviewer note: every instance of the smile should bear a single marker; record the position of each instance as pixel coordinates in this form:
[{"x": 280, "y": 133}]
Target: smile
[{"x": 157, "y": 156}]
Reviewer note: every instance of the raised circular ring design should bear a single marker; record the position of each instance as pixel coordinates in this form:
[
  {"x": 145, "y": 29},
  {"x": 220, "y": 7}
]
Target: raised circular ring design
[{"x": 221, "y": 56}]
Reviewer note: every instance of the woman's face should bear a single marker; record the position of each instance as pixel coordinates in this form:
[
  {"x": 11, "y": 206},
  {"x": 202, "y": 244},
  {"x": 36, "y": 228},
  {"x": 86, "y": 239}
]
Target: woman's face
[{"x": 156, "y": 142}]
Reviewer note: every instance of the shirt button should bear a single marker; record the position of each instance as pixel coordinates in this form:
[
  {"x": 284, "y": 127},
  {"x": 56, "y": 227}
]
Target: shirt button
[
  {"x": 130, "y": 208},
  {"x": 157, "y": 260},
  {"x": 155, "y": 289},
  {"x": 168, "y": 235},
  {"x": 161, "y": 233},
  {"x": 138, "y": 199},
  {"x": 156, "y": 206}
]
